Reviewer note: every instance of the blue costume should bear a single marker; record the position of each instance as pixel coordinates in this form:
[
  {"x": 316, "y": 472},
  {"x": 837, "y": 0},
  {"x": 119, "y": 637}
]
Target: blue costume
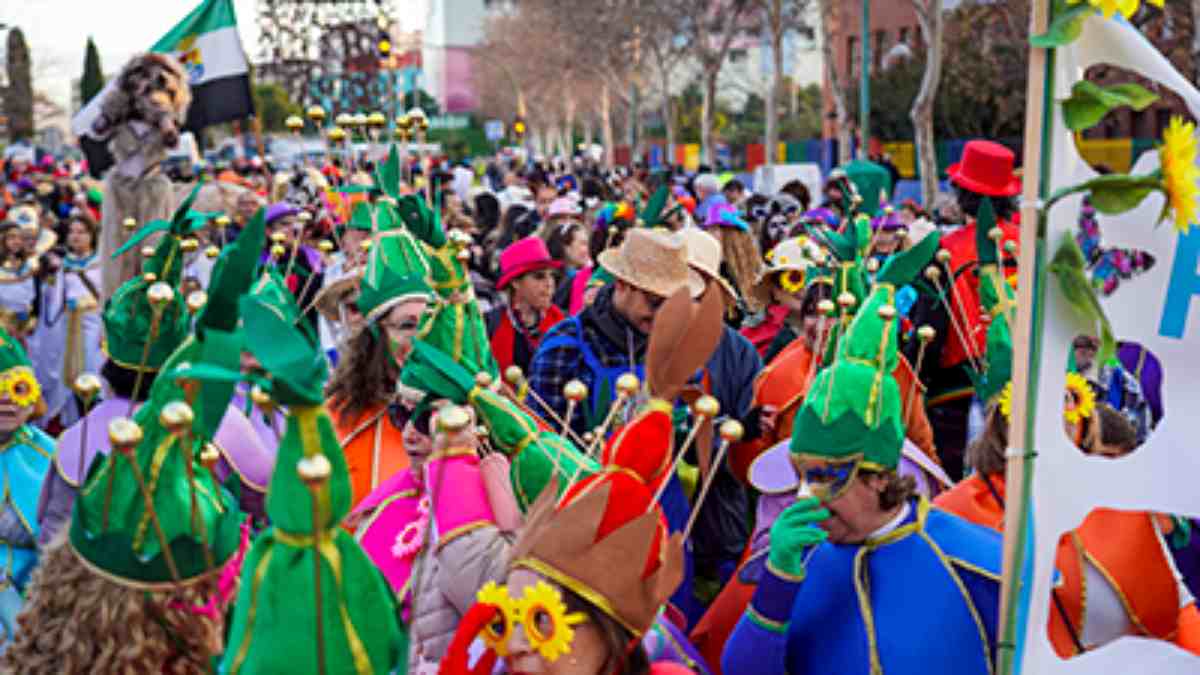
[
  {"x": 24, "y": 462},
  {"x": 926, "y": 600}
]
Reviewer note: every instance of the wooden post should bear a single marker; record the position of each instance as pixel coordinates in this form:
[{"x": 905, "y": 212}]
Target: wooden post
[{"x": 1026, "y": 336}]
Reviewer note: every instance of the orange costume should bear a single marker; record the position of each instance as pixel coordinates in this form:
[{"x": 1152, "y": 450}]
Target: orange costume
[
  {"x": 1124, "y": 546},
  {"x": 374, "y": 448}
]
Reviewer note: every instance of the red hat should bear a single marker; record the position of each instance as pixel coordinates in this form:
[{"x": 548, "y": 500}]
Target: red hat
[
  {"x": 522, "y": 257},
  {"x": 987, "y": 168}
]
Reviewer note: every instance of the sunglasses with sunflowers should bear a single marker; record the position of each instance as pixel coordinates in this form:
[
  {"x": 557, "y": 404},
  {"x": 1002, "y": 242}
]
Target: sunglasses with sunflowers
[
  {"x": 20, "y": 386},
  {"x": 549, "y": 628}
]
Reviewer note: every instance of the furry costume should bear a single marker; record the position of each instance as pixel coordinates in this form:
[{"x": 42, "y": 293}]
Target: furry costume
[{"x": 141, "y": 119}]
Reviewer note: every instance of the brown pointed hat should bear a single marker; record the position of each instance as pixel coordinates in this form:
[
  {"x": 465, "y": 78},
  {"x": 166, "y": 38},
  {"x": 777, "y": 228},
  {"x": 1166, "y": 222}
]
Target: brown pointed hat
[{"x": 587, "y": 540}]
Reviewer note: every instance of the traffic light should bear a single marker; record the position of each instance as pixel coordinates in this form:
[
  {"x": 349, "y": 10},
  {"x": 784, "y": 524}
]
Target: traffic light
[
  {"x": 519, "y": 127},
  {"x": 384, "y": 44}
]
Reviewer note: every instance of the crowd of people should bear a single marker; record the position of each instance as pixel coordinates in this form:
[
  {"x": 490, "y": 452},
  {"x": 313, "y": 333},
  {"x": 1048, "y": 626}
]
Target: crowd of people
[{"x": 538, "y": 416}]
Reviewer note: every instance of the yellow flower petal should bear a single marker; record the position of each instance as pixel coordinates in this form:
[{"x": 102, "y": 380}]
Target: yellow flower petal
[{"x": 1177, "y": 155}]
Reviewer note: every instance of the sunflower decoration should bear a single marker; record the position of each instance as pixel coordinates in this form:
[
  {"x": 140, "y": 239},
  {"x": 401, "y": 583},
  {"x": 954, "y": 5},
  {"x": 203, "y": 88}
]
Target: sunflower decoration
[
  {"x": 496, "y": 633},
  {"x": 792, "y": 281},
  {"x": 21, "y": 386},
  {"x": 1081, "y": 400},
  {"x": 1127, "y": 8},
  {"x": 1177, "y": 155},
  {"x": 1005, "y": 401},
  {"x": 548, "y": 626}
]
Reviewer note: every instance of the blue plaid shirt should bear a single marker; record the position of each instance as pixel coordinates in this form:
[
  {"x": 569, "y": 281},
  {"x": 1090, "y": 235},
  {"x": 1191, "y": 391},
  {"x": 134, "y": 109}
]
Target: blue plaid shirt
[{"x": 557, "y": 363}]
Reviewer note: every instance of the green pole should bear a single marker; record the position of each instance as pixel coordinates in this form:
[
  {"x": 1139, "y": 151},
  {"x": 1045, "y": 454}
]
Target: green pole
[{"x": 864, "y": 96}]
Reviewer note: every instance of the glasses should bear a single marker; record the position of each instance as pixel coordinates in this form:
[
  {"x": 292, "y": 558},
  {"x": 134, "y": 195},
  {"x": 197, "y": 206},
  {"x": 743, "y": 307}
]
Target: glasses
[
  {"x": 405, "y": 327},
  {"x": 401, "y": 413},
  {"x": 20, "y": 386},
  {"x": 828, "y": 482},
  {"x": 549, "y": 628}
]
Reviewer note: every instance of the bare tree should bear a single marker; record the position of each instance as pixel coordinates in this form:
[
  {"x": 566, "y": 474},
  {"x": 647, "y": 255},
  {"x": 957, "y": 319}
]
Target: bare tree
[
  {"x": 780, "y": 18},
  {"x": 841, "y": 108},
  {"x": 18, "y": 96},
  {"x": 930, "y": 17},
  {"x": 708, "y": 34}
]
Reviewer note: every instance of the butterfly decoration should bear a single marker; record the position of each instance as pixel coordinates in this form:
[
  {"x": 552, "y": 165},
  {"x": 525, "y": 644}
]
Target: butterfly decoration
[{"x": 1108, "y": 267}]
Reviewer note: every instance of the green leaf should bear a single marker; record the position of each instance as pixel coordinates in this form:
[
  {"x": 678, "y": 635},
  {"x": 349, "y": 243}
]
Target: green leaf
[
  {"x": 1089, "y": 102},
  {"x": 1113, "y": 193},
  {"x": 1065, "y": 28},
  {"x": 1068, "y": 266}
]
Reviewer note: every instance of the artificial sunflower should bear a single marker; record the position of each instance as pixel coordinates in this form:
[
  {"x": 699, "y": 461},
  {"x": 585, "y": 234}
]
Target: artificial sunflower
[
  {"x": 1177, "y": 154},
  {"x": 1085, "y": 399},
  {"x": 547, "y": 624},
  {"x": 1127, "y": 8},
  {"x": 1005, "y": 401},
  {"x": 792, "y": 281},
  {"x": 496, "y": 633},
  {"x": 22, "y": 387}
]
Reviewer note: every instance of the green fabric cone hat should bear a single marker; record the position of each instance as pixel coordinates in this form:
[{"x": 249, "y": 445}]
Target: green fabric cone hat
[
  {"x": 872, "y": 182},
  {"x": 118, "y": 537},
  {"x": 284, "y": 344},
  {"x": 397, "y": 270},
  {"x": 130, "y": 321},
  {"x": 652, "y": 213},
  {"x": 12, "y": 354},
  {"x": 853, "y": 408},
  {"x": 273, "y": 629},
  {"x": 362, "y": 218},
  {"x": 998, "y": 301},
  {"x": 455, "y": 324}
]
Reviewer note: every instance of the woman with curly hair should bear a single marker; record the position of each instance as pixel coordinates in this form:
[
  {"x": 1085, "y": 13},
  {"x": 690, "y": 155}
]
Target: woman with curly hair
[{"x": 79, "y": 621}]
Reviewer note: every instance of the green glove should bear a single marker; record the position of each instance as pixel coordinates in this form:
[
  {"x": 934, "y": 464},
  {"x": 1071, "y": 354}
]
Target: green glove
[{"x": 793, "y": 535}]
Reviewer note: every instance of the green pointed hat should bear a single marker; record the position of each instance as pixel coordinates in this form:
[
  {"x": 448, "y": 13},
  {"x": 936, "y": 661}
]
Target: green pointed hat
[
  {"x": 871, "y": 181},
  {"x": 362, "y": 218},
  {"x": 194, "y": 525},
  {"x": 853, "y": 407},
  {"x": 282, "y": 342},
  {"x": 12, "y": 354},
  {"x": 272, "y": 629},
  {"x": 999, "y": 302},
  {"x": 397, "y": 270},
  {"x": 135, "y": 336},
  {"x": 538, "y": 455},
  {"x": 652, "y": 213}
]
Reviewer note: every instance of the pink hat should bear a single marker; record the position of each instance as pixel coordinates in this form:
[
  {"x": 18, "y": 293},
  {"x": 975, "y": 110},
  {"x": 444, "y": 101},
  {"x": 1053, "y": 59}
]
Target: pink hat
[
  {"x": 522, "y": 257},
  {"x": 564, "y": 206}
]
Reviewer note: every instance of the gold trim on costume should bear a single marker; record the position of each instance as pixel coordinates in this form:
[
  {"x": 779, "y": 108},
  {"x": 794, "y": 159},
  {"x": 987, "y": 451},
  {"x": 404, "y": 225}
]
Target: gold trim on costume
[
  {"x": 966, "y": 596},
  {"x": 578, "y": 587}
]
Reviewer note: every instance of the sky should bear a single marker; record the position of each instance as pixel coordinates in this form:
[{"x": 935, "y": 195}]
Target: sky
[{"x": 57, "y": 32}]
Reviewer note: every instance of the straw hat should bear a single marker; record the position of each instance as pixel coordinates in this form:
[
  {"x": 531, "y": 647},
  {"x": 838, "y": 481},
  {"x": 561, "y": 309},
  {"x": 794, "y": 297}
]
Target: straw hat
[
  {"x": 653, "y": 261},
  {"x": 704, "y": 255},
  {"x": 334, "y": 293}
]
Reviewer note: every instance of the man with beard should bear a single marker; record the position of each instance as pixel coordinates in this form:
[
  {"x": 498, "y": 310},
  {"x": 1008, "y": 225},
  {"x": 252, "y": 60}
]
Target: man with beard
[{"x": 608, "y": 338}]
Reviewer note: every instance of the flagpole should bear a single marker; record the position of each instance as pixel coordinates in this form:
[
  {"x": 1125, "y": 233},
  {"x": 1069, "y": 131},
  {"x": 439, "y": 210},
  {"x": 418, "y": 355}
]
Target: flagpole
[{"x": 1031, "y": 286}]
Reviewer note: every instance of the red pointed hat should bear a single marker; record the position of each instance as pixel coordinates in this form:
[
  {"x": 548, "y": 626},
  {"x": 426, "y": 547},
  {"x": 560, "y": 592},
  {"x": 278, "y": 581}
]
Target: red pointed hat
[
  {"x": 522, "y": 257},
  {"x": 987, "y": 168}
]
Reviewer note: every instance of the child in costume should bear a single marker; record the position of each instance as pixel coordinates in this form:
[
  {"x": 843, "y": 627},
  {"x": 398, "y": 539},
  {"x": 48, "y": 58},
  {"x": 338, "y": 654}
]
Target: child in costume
[
  {"x": 140, "y": 336},
  {"x": 826, "y": 601},
  {"x": 25, "y": 456}
]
